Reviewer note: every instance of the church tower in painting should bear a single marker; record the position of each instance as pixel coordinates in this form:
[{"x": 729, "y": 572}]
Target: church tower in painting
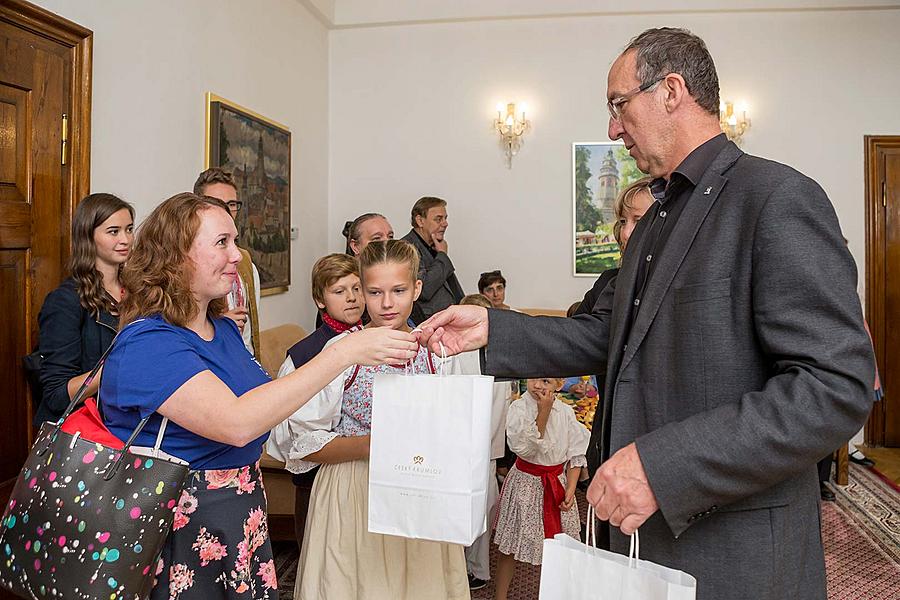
[{"x": 607, "y": 188}]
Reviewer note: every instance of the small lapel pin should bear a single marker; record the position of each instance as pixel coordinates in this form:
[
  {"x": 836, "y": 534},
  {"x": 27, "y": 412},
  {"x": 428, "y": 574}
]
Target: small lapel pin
[{"x": 708, "y": 190}]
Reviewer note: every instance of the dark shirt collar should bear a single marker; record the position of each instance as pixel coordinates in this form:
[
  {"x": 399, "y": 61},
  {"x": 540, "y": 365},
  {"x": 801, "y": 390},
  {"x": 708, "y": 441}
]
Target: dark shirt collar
[
  {"x": 424, "y": 243},
  {"x": 690, "y": 170}
]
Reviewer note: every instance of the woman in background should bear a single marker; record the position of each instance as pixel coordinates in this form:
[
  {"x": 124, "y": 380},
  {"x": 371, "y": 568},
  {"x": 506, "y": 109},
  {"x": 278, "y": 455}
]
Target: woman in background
[
  {"x": 79, "y": 319},
  {"x": 492, "y": 285},
  {"x": 629, "y": 207}
]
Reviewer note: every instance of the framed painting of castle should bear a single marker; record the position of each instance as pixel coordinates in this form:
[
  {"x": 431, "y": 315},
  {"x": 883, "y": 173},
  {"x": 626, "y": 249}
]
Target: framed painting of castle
[
  {"x": 257, "y": 151},
  {"x": 599, "y": 171}
]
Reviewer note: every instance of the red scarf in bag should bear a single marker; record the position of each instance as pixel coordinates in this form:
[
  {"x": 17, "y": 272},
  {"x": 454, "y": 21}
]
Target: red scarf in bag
[
  {"x": 554, "y": 493},
  {"x": 87, "y": 422}
]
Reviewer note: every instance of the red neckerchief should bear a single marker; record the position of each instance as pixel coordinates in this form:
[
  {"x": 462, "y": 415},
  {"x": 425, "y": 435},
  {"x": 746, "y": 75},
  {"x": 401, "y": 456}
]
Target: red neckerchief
[{"x": 338, "y": 326}]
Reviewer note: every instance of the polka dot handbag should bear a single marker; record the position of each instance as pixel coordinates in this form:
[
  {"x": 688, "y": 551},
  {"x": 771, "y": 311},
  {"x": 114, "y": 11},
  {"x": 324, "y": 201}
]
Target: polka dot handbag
[{"x": 86, "y": 520}]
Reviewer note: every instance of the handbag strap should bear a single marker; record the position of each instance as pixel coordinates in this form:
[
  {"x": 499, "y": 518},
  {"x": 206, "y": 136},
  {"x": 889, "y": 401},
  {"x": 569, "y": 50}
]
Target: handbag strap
[
  {"x": 159, "y": 436},
  {"x": 113, "y": 467},
  {"x": 80, "y": 395}
]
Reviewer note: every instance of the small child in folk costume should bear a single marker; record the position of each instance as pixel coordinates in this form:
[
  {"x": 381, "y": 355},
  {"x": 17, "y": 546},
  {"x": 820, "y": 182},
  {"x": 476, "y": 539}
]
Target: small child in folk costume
[
  {"x": 538, "y": 496},
  {"x": 339, "y": 557}
]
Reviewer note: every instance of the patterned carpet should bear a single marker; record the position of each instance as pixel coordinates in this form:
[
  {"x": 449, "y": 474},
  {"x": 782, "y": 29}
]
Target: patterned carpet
[
  {"x": 873, "y": 504},
  {"x": 861, "y": 534}
]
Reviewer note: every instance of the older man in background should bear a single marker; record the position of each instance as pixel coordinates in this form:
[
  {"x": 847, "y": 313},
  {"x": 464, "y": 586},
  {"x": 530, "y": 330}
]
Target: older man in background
[{"x": 440, "y": 287}]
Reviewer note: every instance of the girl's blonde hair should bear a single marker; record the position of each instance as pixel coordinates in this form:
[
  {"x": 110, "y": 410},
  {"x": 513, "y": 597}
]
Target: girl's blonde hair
[
  {"x": 389, "y": 251},
  {"x": 625, "y": 201},
  {"x": 476, "y": 300}
]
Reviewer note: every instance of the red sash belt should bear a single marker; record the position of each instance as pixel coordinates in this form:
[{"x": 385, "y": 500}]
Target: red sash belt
[{"x": 554, "y": 493}]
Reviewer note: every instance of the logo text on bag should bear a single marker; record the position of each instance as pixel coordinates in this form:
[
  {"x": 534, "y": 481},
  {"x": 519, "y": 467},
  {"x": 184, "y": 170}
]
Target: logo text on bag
[{"x": 418, "y": 467}]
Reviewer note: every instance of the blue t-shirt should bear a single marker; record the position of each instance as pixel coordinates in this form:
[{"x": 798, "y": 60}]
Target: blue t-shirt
[{"x": 151, "y": 359}]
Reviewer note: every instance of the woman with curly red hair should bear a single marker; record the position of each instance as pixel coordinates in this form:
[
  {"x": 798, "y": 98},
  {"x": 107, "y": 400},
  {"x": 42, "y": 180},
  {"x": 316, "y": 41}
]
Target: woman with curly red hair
[{"x": 179, "y": 362}]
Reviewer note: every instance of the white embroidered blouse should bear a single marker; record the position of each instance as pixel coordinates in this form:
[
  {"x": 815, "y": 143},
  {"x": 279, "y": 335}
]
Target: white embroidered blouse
[{"x": 565, "y": 439}]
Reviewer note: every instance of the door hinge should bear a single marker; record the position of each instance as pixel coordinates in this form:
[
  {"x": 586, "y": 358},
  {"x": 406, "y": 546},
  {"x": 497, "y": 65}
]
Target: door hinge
[{"x": 65, "y": 136}]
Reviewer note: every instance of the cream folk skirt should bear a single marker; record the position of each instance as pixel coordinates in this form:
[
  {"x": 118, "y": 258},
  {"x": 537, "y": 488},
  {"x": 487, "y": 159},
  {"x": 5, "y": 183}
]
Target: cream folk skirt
[{"x": 340, "y": 559}]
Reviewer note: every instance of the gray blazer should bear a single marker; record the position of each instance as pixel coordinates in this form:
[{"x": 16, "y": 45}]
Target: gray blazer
[
  {"x": 746, "y": 364},
  {"x": 440, "y": 287}
]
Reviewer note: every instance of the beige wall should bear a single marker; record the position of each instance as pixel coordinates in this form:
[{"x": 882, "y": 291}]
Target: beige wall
[
  {"x": 411, "y": 108},
  {"x": 383, "y": 115},
  {"x": 153, "y": 62}
]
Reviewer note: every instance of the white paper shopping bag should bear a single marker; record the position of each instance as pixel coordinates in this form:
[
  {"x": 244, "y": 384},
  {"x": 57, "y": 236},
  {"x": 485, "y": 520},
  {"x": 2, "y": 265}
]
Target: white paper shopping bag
[
  {"x": 429, "y": 454},
  {"x": 571, "y": 570}
]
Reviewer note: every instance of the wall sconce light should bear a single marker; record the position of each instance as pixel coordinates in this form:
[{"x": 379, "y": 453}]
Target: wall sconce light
[
  {"x": 734, "y": 123},
  {"x": 511, "y": 127}
]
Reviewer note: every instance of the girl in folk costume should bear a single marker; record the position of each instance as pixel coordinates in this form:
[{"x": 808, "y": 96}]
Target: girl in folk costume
[
  {"x": 538, "y": 496},
  {"x": 336, "y": 291},
  {"x": 339, "y": 557}
]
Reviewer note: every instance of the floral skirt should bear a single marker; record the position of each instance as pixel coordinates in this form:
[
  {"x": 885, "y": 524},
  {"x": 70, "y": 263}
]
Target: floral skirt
[
  {"x": 219, "y": 544},
  {"x": 519, "y": 525}
]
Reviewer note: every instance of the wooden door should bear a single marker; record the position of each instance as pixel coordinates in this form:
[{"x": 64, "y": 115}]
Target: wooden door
[
  {"x": 44, "y": 82},
  {"x": 883, "y": 281}
]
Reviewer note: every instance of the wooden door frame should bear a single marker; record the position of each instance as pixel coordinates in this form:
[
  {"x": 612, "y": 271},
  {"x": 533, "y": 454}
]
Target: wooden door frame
[
  {"x": 76, "y": 173},
  {"x": 875, "y": 267},
  {"x": 44, "y": 23}
]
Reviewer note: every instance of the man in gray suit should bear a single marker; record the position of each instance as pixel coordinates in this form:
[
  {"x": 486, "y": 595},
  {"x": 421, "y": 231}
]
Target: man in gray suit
[
  {"x": 440, "y": 287},
  {"x": 732, "y": 340}
]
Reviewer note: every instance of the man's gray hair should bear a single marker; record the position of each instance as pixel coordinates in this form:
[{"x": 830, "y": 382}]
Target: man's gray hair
[{"x": 669, "y": 50}]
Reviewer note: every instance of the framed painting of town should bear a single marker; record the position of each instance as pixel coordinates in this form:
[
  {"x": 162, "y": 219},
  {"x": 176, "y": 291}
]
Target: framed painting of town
[
  {"x": 257, "y": 151},
  {"x": 599, "y": 171}
]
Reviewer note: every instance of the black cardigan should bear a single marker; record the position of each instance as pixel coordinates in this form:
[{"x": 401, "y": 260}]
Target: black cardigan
[{"x": 72, "y": 341}]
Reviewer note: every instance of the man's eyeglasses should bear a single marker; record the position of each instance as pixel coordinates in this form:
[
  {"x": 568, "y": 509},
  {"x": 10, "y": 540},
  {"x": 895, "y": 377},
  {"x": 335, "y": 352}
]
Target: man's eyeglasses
[
  {"x": 234, "y": 205},
  {"x": 615, "y": 105}
]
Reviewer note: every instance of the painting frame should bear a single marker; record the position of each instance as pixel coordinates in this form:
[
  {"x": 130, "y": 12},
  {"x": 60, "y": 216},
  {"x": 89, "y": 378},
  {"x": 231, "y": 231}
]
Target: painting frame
[
  {"x": 266, "y": 223},
  {"x": 594, "y": 248}
]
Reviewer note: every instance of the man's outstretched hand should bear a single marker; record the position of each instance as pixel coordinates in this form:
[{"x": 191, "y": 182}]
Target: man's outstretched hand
[{"x": 458, "y": 328}]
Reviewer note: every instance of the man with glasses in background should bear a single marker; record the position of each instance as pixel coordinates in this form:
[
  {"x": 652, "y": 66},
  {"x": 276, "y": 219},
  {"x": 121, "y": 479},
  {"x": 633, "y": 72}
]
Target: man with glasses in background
[
  {"x": 732, "y": 340},
  {"x": 243, "y": 301}
]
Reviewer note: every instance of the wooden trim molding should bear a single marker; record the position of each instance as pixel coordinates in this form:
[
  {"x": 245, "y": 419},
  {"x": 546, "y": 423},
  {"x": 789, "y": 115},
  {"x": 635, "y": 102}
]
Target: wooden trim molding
[
  {"x": 876, "y": 237},
  {"x": 43, "y": 22}
]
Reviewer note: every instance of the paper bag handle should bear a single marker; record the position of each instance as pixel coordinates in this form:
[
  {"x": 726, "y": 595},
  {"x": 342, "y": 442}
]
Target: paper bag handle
[
  {"x": 440, "y": 372},
  {"x": 634, "y": 549}
]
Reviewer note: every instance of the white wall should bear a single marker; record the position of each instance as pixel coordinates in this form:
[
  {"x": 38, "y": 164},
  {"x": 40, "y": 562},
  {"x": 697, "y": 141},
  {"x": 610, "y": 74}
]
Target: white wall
[
  {"x": 353, "y": 13},
  {"x": 153, "y": 62},
  {"x": 411, "y": 109}
]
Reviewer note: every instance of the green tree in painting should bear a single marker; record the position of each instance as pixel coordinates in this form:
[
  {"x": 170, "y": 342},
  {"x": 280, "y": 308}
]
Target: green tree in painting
[
  {"x": 586, "y": 214},
  {"x": 628, "y": 171}
]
